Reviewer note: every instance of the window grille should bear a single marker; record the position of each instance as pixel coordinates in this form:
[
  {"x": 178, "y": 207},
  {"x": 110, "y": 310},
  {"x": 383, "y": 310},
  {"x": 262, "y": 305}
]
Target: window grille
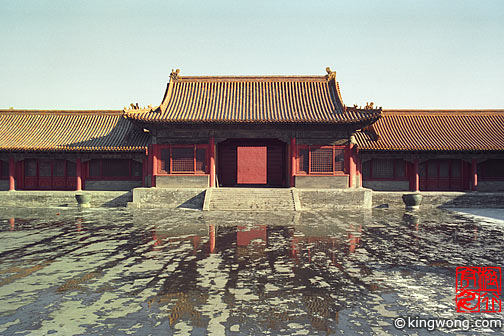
[
  {"x": 400, "y": 169},
  {"x": 455, "y": 169},
  {"x": 492, "y": 169},
  {"x": 136, "y": 169},
  {"x": 201, "y": 160},
  {"x": 71, "y": 169},
  {"x": 30, "y": 168},
  {"x": 182, "y": 159},
  {"x": 339, "y": 159},
  {"x": 444, "y": 168},
  {"x": 59, "y": 168},
  {"x": 94, "y": 168},
  {"x": 366, "y": 169},
  {"x": 321, "y": 160},
  {"x": 303, "y": 159},
  {"x": 45, "y": 168},
  {"x": 4, "y": 169},
  {"x": 122, "y": 169},
  {"x": 165, "y": 161},
  {"x": 383, "y": 168},
  {"x": 115, "y": 168}
]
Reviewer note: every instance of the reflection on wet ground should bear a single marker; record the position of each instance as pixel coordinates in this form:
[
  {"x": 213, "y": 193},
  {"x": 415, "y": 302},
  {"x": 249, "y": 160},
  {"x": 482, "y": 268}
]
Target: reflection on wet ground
[{"x": 153, "y": 272}]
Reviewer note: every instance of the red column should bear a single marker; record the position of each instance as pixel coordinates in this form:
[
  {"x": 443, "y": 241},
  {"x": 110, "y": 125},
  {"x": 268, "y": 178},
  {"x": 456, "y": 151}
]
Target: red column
[
  {"x": 153, "y": 164},
  {"x": 12, "y": 174},
  {"x": 212, "y": 238},
  {"x": 359, "y": 170},
  {"x": 474, "y": 175},
  {"x": 293, "y": 160},
  {"x": 416, "y": 177},
  {"x": 78, "y": 173},
  {"x": 352, "y": 167},
  {"x": 211, "y": 144}
]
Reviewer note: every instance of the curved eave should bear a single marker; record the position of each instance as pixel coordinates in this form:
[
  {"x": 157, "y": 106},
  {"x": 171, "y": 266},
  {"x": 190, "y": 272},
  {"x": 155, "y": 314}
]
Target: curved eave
[
  {"x": 429, "y": 149},
  {"x": 367, "y": 119},
  {"x": 73, "y": 149}
]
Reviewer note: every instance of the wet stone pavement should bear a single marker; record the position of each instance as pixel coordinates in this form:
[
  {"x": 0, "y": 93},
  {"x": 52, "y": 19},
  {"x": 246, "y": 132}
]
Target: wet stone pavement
[{"x": 158, "y": 272}]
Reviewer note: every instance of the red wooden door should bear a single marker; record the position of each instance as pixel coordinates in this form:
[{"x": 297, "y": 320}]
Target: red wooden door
[{"x": 252, "y": 165}]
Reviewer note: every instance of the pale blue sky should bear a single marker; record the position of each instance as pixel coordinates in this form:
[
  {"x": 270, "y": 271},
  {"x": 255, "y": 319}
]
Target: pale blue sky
[{"x": 106, "y": 54}]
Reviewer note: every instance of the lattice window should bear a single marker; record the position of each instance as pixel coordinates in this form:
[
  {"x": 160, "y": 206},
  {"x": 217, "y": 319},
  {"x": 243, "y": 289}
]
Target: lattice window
[
  {"x": 455, "y": 169},
  {"x": 71, "y": 169},
  {"x": 366, "y": 169},
  {"x": 383, "y": 168},
  {"x": 303, "y": 160},
  {"x": 45, "y": 168},
  {"x": 339, "y": 159},
  {"x": 421, "y": 169},
  {"x": 201, "y": 160},
  {"x": 400, "y": 169},
  {"x": 164, "y": 166},
  {"x": 492, "y": 169},
  {"x": 182, "y": 159},
  {"x": 136, "y": 169},
  {"x": 444, "y": 168},
  {"x": 59, "y": 168},
  {"x": 321, "y": 160},
  {"x": 432, "y": 169},
  {"x": 115, "y": 168},
  {"x": 4, "y": 169},
  {"x": 94, "y": 168}
]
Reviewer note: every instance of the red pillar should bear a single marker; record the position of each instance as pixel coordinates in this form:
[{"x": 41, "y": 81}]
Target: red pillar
[
  {"x": 211, "y": 144},
  {"x": 474, "y": 175},
  {"x": 153, "y": 164},
  {"x": 12, "y": 174},
  {"x": 212, "y": 238},
  {"x": 352, "y": 166},
  {"x": 359, "y": 169},
  {"x": 293, "y": 161},
  {"x": 78, "y": 173},
  {"x": 416, "y": 177}
]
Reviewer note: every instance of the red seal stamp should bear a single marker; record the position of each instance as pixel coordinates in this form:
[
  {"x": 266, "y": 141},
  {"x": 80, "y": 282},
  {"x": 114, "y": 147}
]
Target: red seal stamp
[{"x": 478, "y": 289}]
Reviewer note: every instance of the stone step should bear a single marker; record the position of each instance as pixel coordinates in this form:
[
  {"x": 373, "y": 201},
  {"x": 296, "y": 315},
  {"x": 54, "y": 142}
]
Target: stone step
[{"x": 249, "y": 199}]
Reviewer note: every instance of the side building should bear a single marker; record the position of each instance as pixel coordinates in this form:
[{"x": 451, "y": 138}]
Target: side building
[
  {"x": 434, "y": 150},
  {"x": 70, "y": 150}
]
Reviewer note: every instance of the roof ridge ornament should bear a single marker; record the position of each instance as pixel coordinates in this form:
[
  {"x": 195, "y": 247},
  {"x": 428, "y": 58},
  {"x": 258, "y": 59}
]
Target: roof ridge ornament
[
  {"x": 331, "y": 75},
  {"x": 175, "y": 74}
]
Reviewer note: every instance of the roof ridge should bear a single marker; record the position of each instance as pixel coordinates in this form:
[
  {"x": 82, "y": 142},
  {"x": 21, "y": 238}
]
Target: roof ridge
[
  {"x": 442, "y": 111},
  {"x": 34, "y": 111},
  {"x": 251, "y": 78}
]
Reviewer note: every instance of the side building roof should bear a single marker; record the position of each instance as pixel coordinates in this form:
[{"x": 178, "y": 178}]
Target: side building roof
[
  {"x": 253, "y": 99},
  {"x": 31, "y": 130},
  {"x": 435, "y": 130}
]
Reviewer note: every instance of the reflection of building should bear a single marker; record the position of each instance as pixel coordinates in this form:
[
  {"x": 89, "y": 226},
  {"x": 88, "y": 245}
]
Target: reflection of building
[
  {"x": 280, "y": 131},
  {"x": 271, "y": 274}
]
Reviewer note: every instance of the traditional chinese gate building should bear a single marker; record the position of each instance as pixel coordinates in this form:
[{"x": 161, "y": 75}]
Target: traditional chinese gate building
[{"x": 252, "y": 131}]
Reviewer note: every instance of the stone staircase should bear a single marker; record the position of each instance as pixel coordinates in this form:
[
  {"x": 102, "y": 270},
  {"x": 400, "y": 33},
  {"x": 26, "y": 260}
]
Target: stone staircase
[{"x": 251, "y": 199}]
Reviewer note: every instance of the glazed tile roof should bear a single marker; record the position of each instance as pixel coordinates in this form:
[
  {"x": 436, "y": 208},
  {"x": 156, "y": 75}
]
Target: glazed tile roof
[
  {"x": 435, "y": 130},
  {"x": 267, "y": 99},
  {"x": 22, "y": 130}
]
